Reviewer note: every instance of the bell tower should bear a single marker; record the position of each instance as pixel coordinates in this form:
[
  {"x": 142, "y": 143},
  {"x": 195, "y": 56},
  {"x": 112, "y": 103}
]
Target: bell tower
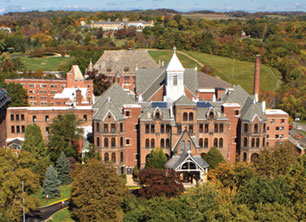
[{"x": 175, "y": 79}]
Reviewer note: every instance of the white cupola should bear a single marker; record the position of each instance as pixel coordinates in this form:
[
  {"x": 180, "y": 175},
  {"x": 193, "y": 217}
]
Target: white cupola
[{"x": 175, "y": 79}]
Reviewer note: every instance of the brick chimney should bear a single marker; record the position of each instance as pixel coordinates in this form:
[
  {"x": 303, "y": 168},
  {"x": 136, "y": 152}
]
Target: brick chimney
[
  {"x": 257, "y": 76},
  {"x": 78, "y": 96}
]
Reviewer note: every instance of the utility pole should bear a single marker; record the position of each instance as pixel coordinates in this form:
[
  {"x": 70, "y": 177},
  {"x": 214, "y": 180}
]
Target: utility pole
[{"x": 23, "y": 201}]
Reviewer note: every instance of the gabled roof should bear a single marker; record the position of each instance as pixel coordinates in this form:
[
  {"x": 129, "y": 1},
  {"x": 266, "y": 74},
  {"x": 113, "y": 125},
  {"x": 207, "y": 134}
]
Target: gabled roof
[
  {"x": 119, "y": 60},
  {"x": 146, "y": 77},
  {"x": 251, "y": 109},
  {"x": 77, "y": 73},
  {"x": 118, "y": 96},
  {"x": 208, "y": 81},
  {"x": 107, "y": 107},
  {"x": 184, "y": 100},
  {"x": 148, "y": 114},
  {"x": 175, "y": 64},
  {"x": 176, "y": 161},
  {"x": 239, "y": 95}
]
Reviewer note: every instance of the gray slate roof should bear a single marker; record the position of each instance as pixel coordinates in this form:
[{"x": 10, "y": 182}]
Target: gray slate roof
[
  {"x": 239, "y": 95},
  {"x": 148, "y": 114},
  {"x": 108, "y": 106},
  {"x": 118, "y": 60},
  {"x": 251, "y": 109},
  {"x": 208, "y": 81},
  {"x": 3, "y": 97},
  {"x": 176, "y": 161},
  {"x": 184, "y": 100},
  {"x": 118, "y": 96}
]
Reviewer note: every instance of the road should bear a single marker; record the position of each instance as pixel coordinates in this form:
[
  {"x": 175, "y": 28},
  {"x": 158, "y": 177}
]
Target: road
[{"x": 44, "y": 213}]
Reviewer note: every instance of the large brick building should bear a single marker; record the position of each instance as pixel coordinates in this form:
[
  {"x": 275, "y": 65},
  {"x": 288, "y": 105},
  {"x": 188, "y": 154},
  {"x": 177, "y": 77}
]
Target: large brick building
[
  {"x": 120, "y": 66},
  {"x": 58, "y": 92},
  {"x": 182, "y": 110}
]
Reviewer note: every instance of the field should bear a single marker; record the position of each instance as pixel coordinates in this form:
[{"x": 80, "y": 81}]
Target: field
[
  {"x": 43, "y": 63},
  {"x": 65, "y": 193},
  {"x": 63, "y": 215},
  {"x": 233, "y": 71}
]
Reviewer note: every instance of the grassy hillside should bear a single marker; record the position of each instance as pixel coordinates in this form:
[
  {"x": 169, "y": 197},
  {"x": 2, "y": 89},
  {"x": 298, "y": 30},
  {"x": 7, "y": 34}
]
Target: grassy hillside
[
  {"x": 44, "y": 63},
  {"x": 233, "y": 71}
]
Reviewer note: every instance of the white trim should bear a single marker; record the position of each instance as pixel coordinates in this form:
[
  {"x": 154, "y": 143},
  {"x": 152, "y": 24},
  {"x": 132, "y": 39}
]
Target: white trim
[
  {"x": 37, "y": 108},
  {"x": 109, "y": 111},
  {"x": 206, "y": 90},
  {"x": 231, "y": 105},
  {"x": 131, "y": 106},
  {"x": 257, "y": 117},
  {"x": 14, "y": 138}
]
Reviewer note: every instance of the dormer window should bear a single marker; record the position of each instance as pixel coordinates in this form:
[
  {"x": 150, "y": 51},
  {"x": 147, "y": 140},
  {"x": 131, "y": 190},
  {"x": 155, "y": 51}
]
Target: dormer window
[
  {"x": 157, "y": 115},
  {"x": 211, "y": 115},
  {"x": 126, "y": 69}
]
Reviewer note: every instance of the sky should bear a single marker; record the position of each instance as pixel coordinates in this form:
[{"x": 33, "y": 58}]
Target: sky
[{"x": 180, "y": 5}]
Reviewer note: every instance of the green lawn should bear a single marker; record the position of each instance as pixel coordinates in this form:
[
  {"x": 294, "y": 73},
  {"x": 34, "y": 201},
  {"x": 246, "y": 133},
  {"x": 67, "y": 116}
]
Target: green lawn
[
  {"x": 166, "y": 56},
  {"x": 233, "y": 71},
  {"x": 44, "y": 64},
  {"x": 65, "y": 193},
  {"x": 63, "y": 215}
]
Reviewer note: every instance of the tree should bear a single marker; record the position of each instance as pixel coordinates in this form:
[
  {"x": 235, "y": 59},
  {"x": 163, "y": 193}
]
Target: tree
[
  {"x": 33, "y": 141},
  {"x": 92, "y": 153},
  {"x": 63, "y": 169},
  {"x": 159, "y": 182},
  {"x": 64, "y": 136},
  {"x": 17, "y": 93},
  {"x": 51, "y": 184},
  {"x": 97, "y": 192},
  {"x": 274, "y": 212},
  {"x": 214, "y": 157},
  {"x": 156, "y": 159},
  {"x": 15, "y": 169}
]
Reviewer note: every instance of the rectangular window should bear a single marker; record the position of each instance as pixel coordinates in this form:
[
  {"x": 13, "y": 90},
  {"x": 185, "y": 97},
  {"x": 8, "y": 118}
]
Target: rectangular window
[
  {"x": 206, "y": 128},
  {"x": 216, "y": 128},
  {"x": 17, "y": 117},
  {"x": 12, "y": 129},
  {"x": 162, "y": 128},
  {"x": 191, "y": 129},
  {"x": 175, "y": 80},
  {"x": 113, "y": 128},
  {"x": 22, "y": 128},
  {"x": 85, "y": 117},
  {"x": 17, "y": 129},
  {"x": 179, "y": 129},
  {"x": 34, "y": 118},
  {"x": 277, "y": 128},
  {"x": 246, "y": 127},
  {"x": 105, "y": 128},
  {"x": 221, "y": 128},
  {"x": 127, "y": 113},
  {"x": 282, "y": 120},
  {"x": 22, "y": 117},
  {"x": 127, "y": 141},
  {"x": 201, "y": 129},
  {"x": 12, "y": 117},
  {"x": 147, "y": 128},
  {"x": 47, "y": 118},
  {"x": 168, "y": 128},
  {"x": 97, "y": 127},
  {"x": 152, "y": 128},
  {"x": 121, "y": 127}
]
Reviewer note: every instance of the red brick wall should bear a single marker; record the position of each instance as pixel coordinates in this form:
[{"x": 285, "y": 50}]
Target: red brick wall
[
  {"x": 205, "y": 95},
  {"x": 158, "y": 96}
]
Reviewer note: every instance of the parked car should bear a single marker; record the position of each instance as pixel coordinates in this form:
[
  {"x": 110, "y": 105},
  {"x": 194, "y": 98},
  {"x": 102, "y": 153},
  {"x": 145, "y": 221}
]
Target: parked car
[{"x": 290, "y": 127}]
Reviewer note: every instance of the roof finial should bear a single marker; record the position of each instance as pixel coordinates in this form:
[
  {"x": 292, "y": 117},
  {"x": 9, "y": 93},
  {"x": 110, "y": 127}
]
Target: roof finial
[{"x": 174, "y": 49}]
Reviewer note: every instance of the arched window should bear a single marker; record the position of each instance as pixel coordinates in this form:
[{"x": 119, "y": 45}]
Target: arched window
[
  {"x": 215, "y": 142},
  {"x": 106, "y": 157},
  {"x": 257, "y": 142},
  {"x": 264, "y": 142},
  {"x": 220, "y": 142},
  {"x": 201, "y": 142},
  {"x": 244, "y": 156},
  {"x": 157, "y": 115},
  {"x": 113, "y": 142},
  {"x": 183, "y": 145},
  {"x": 253, "y": 142},
  {"x": 105, "y": 142},
  {"x": 98, "y": 142},
  {"x": 152, "y": 143},
  {"x": 162, "y": 143},
  {"x": 190, "y": 116},
  {"x": 206, "y": 143},
  {"x": 245, "y": 142},
  {"x": 121, "y": 157},
  {"x": 211, "y": 115},
  {"x": 255, "y": 128},
  {"x": 121, "y": 141},
  {"x": 185, "y": 116},
  {"x": 167, "y": 143},
  {"x": 188, "y": 145},
  {"x": 114, "y": 157},
  {"x": 147, "y": 143},
  {"x": 254, "y": 156}
]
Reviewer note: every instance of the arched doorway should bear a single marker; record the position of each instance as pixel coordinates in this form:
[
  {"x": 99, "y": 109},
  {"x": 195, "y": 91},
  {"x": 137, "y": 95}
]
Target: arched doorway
[{"x": 254, "y": 157}]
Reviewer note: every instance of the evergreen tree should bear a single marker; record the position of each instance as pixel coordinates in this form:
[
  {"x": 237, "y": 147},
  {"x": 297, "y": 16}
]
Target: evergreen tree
[
  {"x": 214, "y": 157},
  {"x": 156, "y": 159},
  {"x": 33, "y": 141},
  {"x": 63, "y": 169},
  {"x": 51, "y": 184}
]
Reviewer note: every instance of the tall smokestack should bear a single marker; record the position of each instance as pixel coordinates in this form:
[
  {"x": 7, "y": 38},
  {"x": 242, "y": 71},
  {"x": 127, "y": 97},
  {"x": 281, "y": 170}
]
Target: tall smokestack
[{"x": 257, "y": 76}]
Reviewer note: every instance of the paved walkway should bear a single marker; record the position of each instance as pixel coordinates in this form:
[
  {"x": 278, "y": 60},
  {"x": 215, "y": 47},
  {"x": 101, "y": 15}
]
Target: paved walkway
[{"x": 43, "y": 213}]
